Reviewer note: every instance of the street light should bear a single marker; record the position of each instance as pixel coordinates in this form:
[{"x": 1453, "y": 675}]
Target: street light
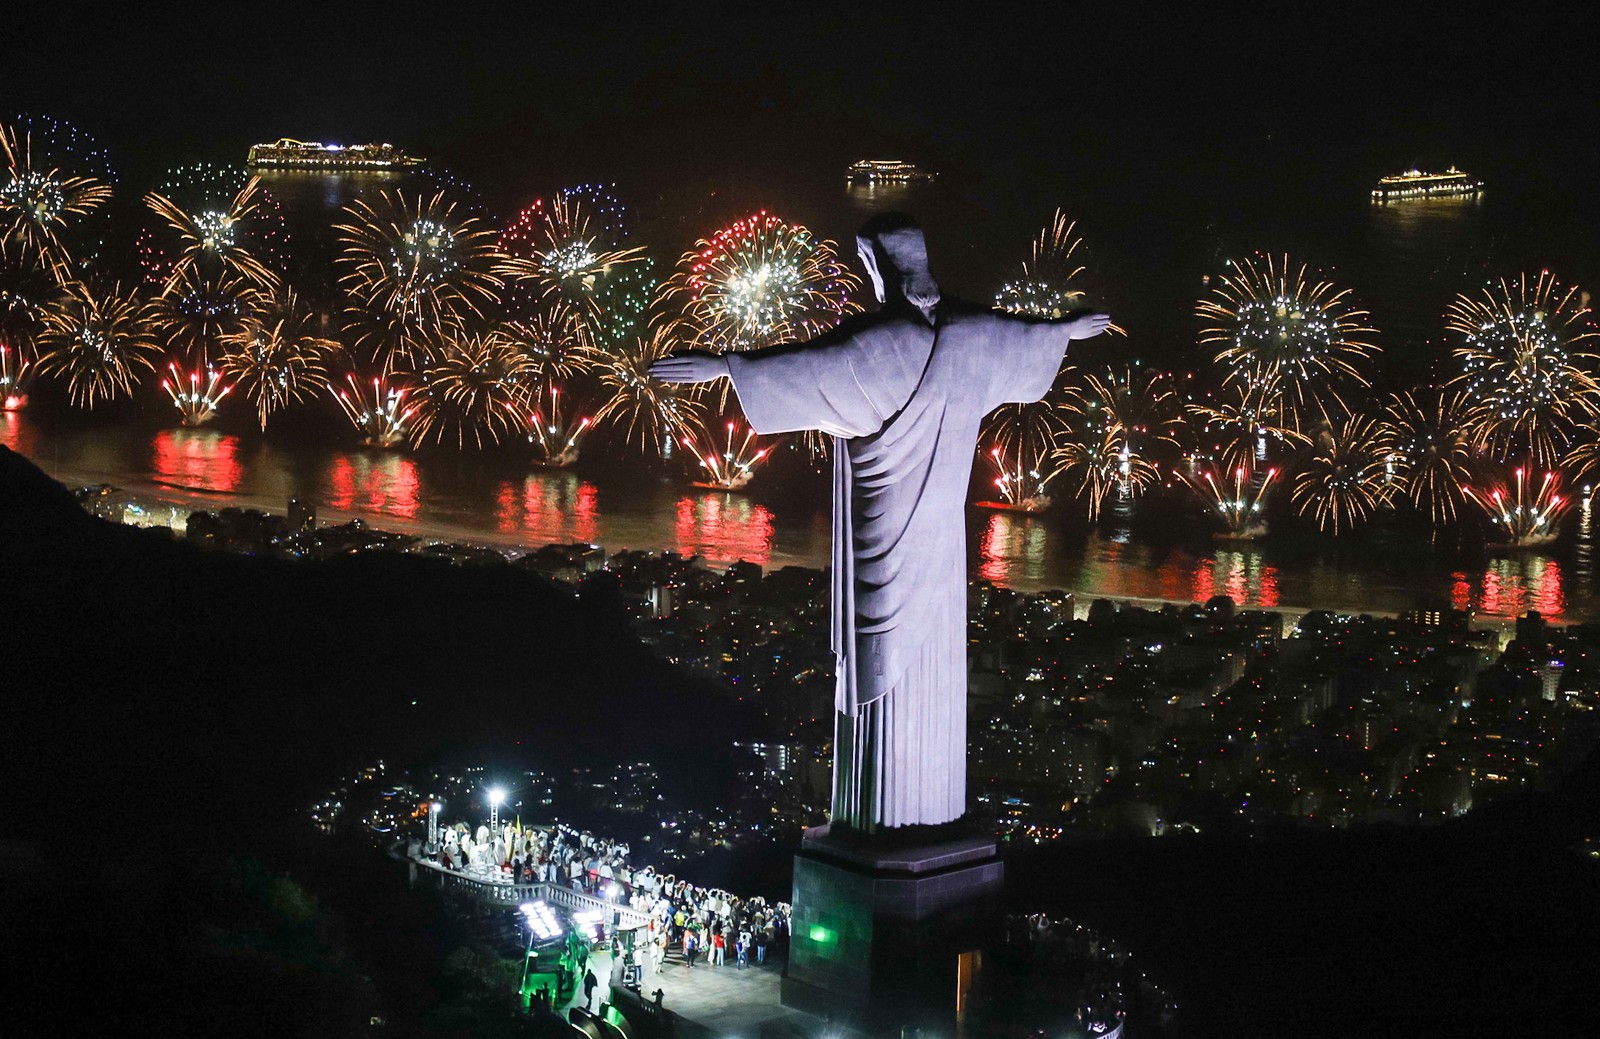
[
  {"x": 497, "y": 797},
  {"x": 433, "y": 827}
]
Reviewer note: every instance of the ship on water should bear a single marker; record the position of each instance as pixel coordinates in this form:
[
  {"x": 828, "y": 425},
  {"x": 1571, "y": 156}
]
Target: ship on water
[
  {"x": 286, "y": 153},
  {"x": 885, "y": 171},
  {"x": 1418, "y": 184}
]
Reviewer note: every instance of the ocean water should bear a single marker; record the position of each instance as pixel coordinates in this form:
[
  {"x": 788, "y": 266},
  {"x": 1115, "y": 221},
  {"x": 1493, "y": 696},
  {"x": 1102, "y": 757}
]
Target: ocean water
[{"x": 1150, "y": 239}]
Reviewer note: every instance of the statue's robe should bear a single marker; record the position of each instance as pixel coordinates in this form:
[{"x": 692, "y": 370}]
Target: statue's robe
[{"x": 905, "y": 400}]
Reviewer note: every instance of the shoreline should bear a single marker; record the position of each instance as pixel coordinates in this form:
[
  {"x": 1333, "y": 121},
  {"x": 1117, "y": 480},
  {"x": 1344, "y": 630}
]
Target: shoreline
[{"x": 199, "y": 499}]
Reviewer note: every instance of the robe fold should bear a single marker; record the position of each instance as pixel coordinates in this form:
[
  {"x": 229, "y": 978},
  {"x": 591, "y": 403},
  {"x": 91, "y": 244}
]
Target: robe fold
[{"x": 904, "y": 400}]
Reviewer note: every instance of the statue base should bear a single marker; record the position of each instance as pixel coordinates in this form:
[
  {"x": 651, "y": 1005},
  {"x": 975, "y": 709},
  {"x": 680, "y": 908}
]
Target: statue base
[{"x": 886, "y": 931}]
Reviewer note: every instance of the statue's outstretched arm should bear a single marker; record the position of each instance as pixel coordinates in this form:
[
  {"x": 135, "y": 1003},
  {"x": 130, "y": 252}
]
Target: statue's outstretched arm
[
  {"x": 691, "y": 366},
  {"x": 1087, "y": 326}
]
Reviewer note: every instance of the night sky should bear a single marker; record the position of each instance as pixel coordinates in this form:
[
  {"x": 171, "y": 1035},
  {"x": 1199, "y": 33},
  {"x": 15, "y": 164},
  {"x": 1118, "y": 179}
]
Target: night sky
[
  {"x": 599, "y": 91},
  {"x": 521, "y": 98}
]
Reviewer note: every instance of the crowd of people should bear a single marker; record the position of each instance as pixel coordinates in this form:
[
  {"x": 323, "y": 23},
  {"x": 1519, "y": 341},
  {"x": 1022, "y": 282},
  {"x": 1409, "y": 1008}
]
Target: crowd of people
[{"x": 708, "y": 926}]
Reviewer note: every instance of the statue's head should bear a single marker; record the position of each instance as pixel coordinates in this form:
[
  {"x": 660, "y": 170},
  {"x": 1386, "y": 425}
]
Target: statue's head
[{"x": 896, "y": 258}]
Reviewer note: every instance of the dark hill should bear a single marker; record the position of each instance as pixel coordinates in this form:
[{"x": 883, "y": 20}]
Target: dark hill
[{"x": 142, "y": 668}]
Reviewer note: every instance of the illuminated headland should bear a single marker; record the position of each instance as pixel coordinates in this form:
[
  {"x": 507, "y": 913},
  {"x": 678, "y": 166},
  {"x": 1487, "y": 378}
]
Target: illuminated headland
[
  {"x": 286, "y": 153},
  {"x": 1417, "y": 184}
]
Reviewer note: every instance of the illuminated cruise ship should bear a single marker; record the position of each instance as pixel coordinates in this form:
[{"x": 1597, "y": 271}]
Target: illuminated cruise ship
[
  {"x": 1417, "y": 184},
  {"x": 878, "y": 171},
  {"x": 286, "y": 153}
]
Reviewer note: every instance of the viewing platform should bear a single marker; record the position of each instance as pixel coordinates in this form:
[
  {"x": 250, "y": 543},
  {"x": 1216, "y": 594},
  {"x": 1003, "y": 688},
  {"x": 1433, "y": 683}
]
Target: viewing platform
[
  {"x": 704, "y": 1001},
  {"x": 503, "y": 894}
]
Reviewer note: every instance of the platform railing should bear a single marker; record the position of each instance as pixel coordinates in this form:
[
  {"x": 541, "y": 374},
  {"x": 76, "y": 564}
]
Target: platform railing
[{"x": 502, "y": 893}]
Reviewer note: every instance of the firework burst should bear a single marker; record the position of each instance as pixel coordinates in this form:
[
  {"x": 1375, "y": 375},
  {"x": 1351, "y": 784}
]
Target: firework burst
[
  {"x": 1299, "y": 342},
  {"x": 1582, "y": 463},
  {"x": 1136, "y": 413},
  {"x": 16, "y": 372},
  {"x": 196, "y": 313},
  {"x": 554, "y": 343},
  {"x": 758, "y": 282},
  {"x": 39, "y": 199},
  {"x": 1427, "y": 451},
  {"x": 217, "y": 220},
  {"x": 570, "y": 258},
  {"x": 378, "y": 409},
  {"x": 1524, "y": 369},
  {"x": 1342, "y": 481},
  {"x": 25, "y": 287},
  {"x": 1048, "y": 287},
  {"x": 1019, "y": 442},
  {"x": 1238, "y": 497},
  {"x": 1525, "y": 511},
  {"x": 625, "y": 294},
  {"x": 726, "y": 462},
  {"x": 555, "y": 428},
  {"x": 99, "y": 337},
  {"x": 1238, "y": 427},
  {"x": 197, "y": 397},
  {"x": 473, "y": 388},
  {"x": 413, "y": 265},
  {"x": 279, "y": 358},
  {"x": 641, "y": 408},
  {"x": 1090, "y": 462}
]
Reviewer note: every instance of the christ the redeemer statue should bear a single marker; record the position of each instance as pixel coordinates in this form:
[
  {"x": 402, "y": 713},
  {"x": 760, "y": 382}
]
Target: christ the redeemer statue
[{"x": 903, "y": 391}]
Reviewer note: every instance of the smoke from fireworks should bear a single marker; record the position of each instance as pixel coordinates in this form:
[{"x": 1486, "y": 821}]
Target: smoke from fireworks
[
  {"x": 41, "y": 199},
  {"x": 758, "y": 282},
  {"x": 1298, "y": 342},
  {"x": 1341, "y": 480},
  {"x": 197, "y": 396},
  {"x": 99, "y": 338},
  {"x": 279, "y": 358},
  {"x": 1524, "y": 369}
]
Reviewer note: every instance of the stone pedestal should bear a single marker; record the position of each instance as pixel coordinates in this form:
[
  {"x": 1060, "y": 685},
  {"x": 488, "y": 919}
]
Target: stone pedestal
[{"x": 879, "y": 932}]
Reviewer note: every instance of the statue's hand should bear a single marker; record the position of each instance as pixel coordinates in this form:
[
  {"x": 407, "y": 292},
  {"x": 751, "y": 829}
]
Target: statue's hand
[
  {"x": 690, "y": 366},
  {"x": 1088, "y": 326}
]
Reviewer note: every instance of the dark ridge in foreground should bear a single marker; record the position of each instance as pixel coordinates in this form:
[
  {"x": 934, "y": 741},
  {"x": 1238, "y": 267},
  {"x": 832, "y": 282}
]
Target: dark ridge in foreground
[
  {"x": 218, "y": 685},
  {"x": 168, "y": 708}
]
